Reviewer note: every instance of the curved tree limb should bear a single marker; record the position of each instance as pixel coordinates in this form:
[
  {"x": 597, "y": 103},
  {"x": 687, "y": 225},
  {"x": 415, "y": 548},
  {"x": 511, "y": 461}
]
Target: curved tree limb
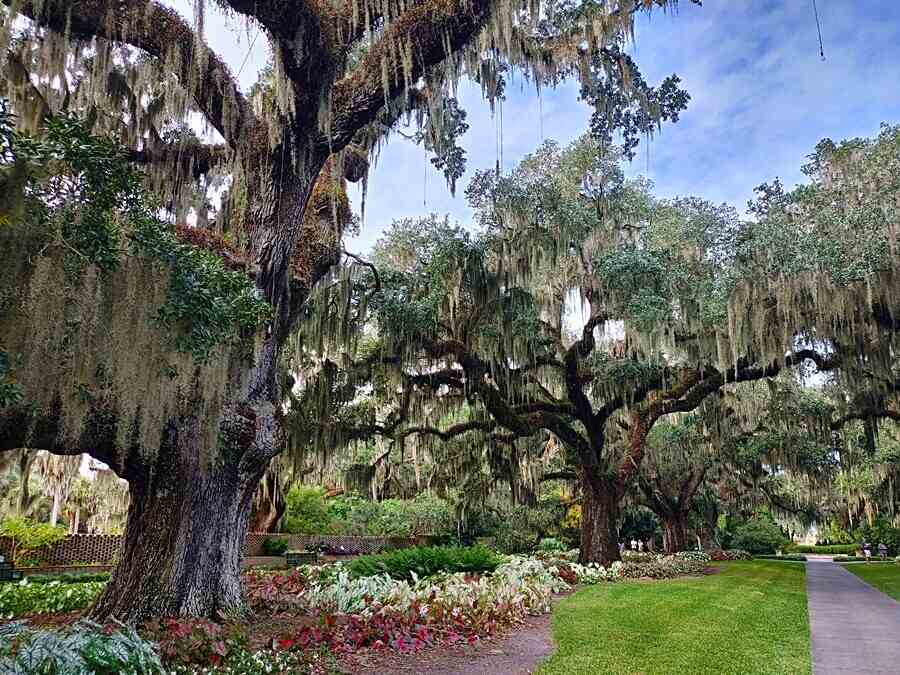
[{"x": 160, "y": 32}]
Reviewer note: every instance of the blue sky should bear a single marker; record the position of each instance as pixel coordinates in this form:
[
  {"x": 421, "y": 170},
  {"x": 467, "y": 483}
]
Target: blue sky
[{"x": 761, "y": 99}]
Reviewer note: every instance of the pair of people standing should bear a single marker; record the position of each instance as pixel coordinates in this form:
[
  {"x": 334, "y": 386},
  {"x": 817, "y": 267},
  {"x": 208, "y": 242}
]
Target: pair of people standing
[{"x": 867, "y": 551}]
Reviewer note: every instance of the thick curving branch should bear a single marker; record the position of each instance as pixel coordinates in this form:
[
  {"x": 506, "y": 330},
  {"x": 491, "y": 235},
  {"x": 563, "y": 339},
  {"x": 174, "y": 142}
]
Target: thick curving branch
[
  {"x": 429, "y": 29},
  {"x": 160, "y": 32}
]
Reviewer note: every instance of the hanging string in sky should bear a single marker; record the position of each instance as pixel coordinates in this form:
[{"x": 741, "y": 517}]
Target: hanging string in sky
[{"x": 819, "y": 29}]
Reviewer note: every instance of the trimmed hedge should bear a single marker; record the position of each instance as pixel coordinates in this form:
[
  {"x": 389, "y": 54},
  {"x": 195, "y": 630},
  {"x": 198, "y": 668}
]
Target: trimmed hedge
[
  {"x": 832, "y": 549},
  {"x": 790, "y": 557},
  {"x": 425, "y": 561},
  {"x": 850, "y": 558}
]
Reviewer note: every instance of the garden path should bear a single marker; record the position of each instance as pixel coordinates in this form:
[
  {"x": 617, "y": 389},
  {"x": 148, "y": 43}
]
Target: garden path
[{"x": 854, "y": 627}]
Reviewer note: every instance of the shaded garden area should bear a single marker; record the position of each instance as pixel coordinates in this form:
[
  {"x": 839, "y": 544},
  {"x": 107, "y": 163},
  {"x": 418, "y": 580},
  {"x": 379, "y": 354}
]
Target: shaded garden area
[
  {"x": 589, "y": 388},
  {"x": 327, "y": 618}
]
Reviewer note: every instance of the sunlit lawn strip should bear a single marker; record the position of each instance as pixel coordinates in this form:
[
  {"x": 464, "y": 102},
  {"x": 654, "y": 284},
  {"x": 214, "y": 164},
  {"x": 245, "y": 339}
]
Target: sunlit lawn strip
[
  {"x": 751, "y": 617},
  {"x": 883, "y": 576}
]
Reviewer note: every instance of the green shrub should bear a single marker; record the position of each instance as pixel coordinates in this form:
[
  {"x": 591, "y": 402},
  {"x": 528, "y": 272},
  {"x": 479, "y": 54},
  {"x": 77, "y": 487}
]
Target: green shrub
[
  {"x": 24, "y": 597},
  {"x": 834, "y": 533},
  {"x": 551, "y": 544},
  {"x": 758, "y": 535},
  {"x": 424, "y": 561},
  {"x": 880, "y": 532},
  {"x": 306, "y": 512},
  {"x": 424, "y": 515},
  {"x": 275, "y": 545},
  {"x": 831, "y": 549},
  {"x": 29, "y": 537},
  {"x": 518, "y": 529},
  {"x": 76, "y": 650}
]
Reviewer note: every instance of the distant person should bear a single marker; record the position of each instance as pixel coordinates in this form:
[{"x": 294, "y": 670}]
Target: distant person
[
  {"x": 867, "y": 550},
  {"x": 633, "y": 544},
  {"x": 621, "y": 547},
  {"x": 640, "y": 546},
  {"x": 882, "y": 551}
]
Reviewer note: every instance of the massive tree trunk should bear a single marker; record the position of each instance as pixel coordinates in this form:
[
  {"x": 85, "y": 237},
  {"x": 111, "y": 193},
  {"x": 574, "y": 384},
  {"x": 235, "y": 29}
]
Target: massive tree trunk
[
  {"x": 599, "y": 520},
  {"x": 675, "y": 529},
  {"x": 192, "y": 445},
  {"x": 182, "y": 549},
  {"x": 98, "y": 379}
]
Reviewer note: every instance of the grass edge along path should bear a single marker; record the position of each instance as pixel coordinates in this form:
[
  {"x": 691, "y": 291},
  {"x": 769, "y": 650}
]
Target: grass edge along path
[
  {"x": 751, "y": 617},
  {"x": 885, "y": 576}
]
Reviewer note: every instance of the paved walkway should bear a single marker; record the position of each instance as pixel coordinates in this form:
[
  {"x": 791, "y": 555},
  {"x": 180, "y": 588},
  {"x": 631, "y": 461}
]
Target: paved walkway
[{"x": 855, "y": 628}]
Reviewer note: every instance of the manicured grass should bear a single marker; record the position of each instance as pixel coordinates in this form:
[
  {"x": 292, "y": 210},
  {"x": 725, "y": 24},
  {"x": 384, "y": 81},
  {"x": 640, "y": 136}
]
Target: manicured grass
[
  {"x": 751, "y": 617},
  {"x": 883, "y": 576}
]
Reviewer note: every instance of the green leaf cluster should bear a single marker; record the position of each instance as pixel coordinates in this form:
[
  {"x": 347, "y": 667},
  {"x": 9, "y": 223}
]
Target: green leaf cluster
[
  {"x": 77, "y": 650},
  {"x": 25, "y": 597},
  {"x": 29, "y": 536},
  {"x": 424, "y": 561}
]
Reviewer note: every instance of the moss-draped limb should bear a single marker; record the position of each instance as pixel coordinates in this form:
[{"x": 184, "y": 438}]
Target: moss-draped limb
[
  {"x": 426, "y": 34},
  {"x": 161, "y": 32}
]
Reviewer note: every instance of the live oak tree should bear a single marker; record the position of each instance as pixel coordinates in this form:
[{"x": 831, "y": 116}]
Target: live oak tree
[
  {"x": 192, "y": 423},
  {"x": 702, "y": 302},
  {"x": 674, "y": 468}
]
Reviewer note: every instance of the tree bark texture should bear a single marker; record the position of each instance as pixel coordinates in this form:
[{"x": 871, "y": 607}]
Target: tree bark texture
[
  {"x": 675, "y": 532},
  {"x": 184, "y": 538},
  {"x": 599, "y": 521}
]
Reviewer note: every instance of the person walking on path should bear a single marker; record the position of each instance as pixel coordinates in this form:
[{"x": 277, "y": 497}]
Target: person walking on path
[
  {"x": 882, "y": 551},
  {"x": 867, "y": 551}
]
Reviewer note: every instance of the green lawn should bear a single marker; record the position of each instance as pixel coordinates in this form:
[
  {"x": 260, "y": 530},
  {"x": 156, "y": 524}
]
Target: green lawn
[
  {"x": 749, "y": 618},
  {"x": 883, "y": 576}
]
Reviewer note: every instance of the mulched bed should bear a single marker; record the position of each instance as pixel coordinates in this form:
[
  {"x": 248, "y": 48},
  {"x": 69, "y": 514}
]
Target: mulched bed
[{"x": 517, "y": 652}]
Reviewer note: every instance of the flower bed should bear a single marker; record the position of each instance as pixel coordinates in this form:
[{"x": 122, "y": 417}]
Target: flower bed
[
  {"x": 304, "y": 618},
  {"x": 27, "y": 597},
  {"x": 730, "y": 554}
]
